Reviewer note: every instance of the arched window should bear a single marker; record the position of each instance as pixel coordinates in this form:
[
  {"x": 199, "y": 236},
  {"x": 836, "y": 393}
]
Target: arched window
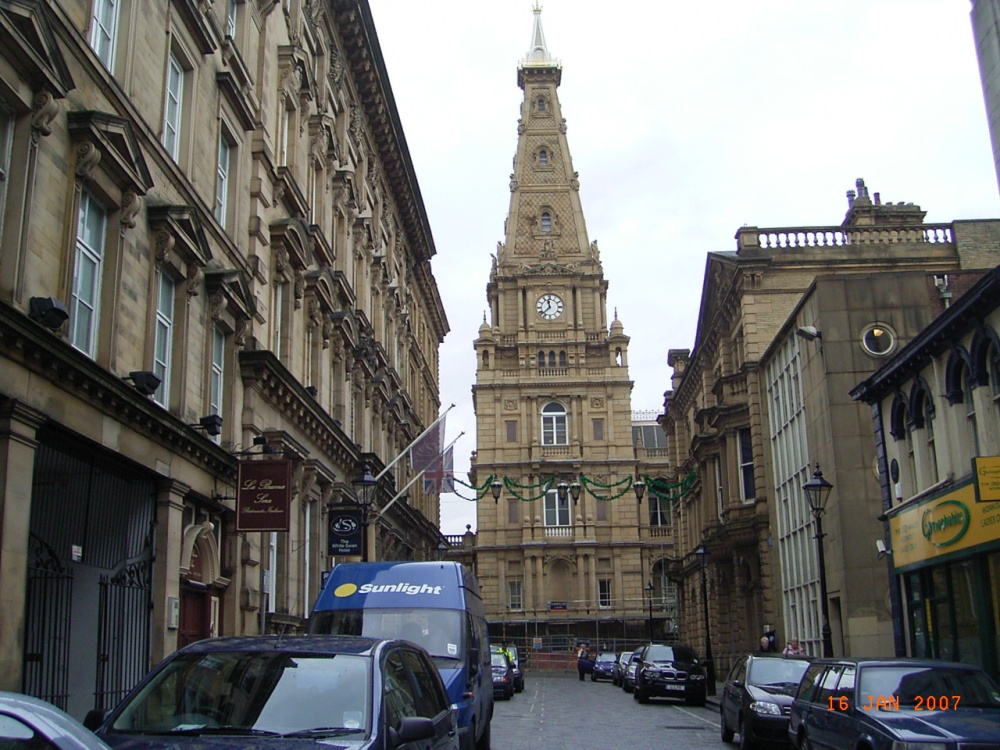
[
  {"x": 486, "y": 360},
  {"x": 541, "y": 104},
  {"x": 922, "y": 410},
  {"x": 546, "y": 222},
  {"x": 554, "y": 426},
  {"x": 543, "y": 158},
  {"x": 552, "y": 359},
  {"x": 541, "y": 359},
  {"x": 562, "y": 359},
  {"x": 971, "y": 443}
]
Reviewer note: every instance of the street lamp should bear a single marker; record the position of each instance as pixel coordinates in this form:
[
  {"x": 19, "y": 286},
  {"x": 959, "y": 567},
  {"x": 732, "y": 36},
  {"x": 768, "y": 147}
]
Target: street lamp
[
  {"x": 817, "y": 492},
  {"x": 365, "y": 487},
  {"x": 701, "y": 551},
  {"x": 649, "y": 592},
  {"x": 442, "y": 551},
  {"x": 496, "y": 488}
]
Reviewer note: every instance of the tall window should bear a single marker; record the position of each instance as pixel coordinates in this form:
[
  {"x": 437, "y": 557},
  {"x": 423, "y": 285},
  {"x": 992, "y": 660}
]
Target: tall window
[
  {"x": 659, "y": 510},
  {"x": 543, "y": 158},
  {"x": 284, "y": 134},
  {"x": 556, "y": 510},
  {"x": 87, "y": 270},
  {"x": 546, "y": 222},
  {"x": 747, "y": 488},
  {"x": 541, "y": 104},
  {"x": 541, "y": 359},
  {"x": 215, "y": 392},
  {"x": 604, "y": 593},
  {"x": 970, "y": 412},
  {"x": 172, "y": 107},
  {"x": 104, "y": 30},
  {"x": 164, "y": 337},
  {"x": 598, "y": 429},
  {"x": 278, "y": 313},
  {"x": 222, "y": 180},
  {"x": 515, "y": 596},
  {"x": 511, "y": 426},
  {"x": 554, "y": 428},
  {"x": 6, "y": 148},
  {"x": 931, "y": 458},
  {"x": 231, "y": 19}
]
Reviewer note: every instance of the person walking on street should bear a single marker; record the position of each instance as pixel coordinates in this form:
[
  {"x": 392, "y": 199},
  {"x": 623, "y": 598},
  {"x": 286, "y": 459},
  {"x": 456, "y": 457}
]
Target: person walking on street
[{"x": 765, "y": 646}]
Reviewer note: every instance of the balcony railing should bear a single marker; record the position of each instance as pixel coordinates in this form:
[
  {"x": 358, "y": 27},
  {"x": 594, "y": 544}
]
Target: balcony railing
[{"x": 794, "y": 237}]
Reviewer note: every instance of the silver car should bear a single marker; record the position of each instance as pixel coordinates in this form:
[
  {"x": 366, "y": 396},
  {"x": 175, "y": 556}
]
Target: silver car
[
  {"x": 628, "y": 681},
  {"x": 30, "y": 722}
]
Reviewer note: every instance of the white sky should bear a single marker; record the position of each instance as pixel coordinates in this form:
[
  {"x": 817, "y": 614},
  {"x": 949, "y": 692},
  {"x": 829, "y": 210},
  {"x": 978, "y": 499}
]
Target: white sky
[{"x": 685, "y": 122}]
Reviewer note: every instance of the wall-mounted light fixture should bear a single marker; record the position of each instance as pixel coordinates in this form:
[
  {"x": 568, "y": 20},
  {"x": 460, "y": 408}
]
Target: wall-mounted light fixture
[
  {"x": 312, "y": 390},
  {"x": 211, "y": 424},
  {"x": 809, "y": 333},
  {"x": 145, "y": 382},
  {"x": 48, "y": 312},
  {"x": 496, "y": 488}
]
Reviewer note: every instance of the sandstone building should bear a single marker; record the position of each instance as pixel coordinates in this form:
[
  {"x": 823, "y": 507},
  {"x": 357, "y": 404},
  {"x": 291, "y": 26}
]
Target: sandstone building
[
  {"x": 213, "y": 250},
  {"x": 566, "y": 548},
  {"x": 755, "y": 405}
]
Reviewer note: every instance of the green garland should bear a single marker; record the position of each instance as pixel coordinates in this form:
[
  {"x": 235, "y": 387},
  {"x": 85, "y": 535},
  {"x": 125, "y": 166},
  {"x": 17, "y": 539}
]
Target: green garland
[
  {"x": 546, "y": 485},
  {"x": 661, "y": 488},
  {"x": 588, "y": 483},
  {"x": 481, "y": 490}
]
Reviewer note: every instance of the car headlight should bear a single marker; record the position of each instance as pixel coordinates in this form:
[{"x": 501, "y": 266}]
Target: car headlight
[
  {"x": 765, "y": 708},
  {"x": 899, "y": 745},
  {"x": 697, "y": 678}
]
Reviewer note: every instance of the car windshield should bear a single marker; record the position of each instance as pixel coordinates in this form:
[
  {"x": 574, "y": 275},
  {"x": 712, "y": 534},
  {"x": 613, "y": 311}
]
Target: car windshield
[
  {"x": 253, "y": 693},
  {"x": 607, "y": 657},
  {"x": 914, "y": 685},
  {"x": 779, "y": 673},
  {"x": 437, "y": 630},
  {"x": 498, "y": 660},
  {"x": 670, "y": 653}
]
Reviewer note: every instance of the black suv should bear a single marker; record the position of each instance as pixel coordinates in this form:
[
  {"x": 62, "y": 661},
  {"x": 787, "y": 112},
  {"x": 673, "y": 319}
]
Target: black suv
[{"x": 669, "y": 672}]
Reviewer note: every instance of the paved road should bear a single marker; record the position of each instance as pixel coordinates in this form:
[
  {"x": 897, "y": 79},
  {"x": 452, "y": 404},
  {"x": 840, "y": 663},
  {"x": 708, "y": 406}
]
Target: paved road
[{"x": 558, "y": 712}]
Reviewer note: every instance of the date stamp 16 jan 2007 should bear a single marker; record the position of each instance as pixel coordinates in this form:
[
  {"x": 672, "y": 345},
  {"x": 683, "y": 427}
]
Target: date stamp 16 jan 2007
[{"x": 891, "y": 703}]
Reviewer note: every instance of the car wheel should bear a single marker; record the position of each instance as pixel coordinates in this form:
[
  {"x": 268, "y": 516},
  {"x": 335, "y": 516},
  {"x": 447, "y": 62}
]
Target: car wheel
[
  {"x": 726, "y": 732},
  {"x": 804, "y": 743},
  {"x": 746, "y": 743},
  {"x": 640, "y": 696}
]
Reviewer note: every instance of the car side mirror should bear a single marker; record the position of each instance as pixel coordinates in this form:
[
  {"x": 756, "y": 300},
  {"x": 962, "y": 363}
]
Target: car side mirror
[
  {"x": 412, "y": 729},
  {"x": 94, "y": 718},
  {"x": 737, "y": 683}
]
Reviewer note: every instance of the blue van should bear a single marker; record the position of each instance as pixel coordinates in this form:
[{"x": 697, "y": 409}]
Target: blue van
[{"x": 434, "y": 604}]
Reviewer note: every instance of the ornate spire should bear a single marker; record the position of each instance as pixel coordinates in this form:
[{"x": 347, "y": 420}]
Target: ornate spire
[{"x": 538, "y": 53}]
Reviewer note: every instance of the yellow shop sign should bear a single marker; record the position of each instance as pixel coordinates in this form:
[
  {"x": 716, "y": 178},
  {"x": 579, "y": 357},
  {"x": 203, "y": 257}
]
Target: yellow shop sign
[
  {"x": 987, "y": 470},
  {"x": 943, "y": 525}
]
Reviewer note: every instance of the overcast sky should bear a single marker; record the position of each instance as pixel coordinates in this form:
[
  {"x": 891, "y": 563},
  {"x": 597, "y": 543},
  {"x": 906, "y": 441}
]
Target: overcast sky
[{"x": 685, "y": 122}]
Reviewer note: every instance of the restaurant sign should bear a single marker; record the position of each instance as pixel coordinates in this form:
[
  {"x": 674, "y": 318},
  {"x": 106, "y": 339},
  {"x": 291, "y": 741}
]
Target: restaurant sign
[
  {"x": 263, "y": 495},
  {"x": 987, "y": 472},
  {"x": 934, "y": 528},
  {"x": 344, "y": 530}
]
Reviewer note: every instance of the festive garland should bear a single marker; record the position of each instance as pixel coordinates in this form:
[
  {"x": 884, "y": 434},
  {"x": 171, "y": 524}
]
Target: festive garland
[
  {"x": 547, "y": 485},
  {"x": 588, "y": 483},
  {"x": 662, "y": 489},
  {"x": 481, "y": 490}
]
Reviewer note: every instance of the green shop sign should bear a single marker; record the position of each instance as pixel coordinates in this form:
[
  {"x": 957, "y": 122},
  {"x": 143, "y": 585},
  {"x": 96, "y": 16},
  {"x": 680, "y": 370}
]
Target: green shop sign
[{"x": 945, "y": 523}]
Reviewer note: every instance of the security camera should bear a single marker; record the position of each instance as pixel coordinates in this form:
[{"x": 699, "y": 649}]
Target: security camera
[
  {"x": 882, "y": 551},
  {"x": 809, "y": 333}
]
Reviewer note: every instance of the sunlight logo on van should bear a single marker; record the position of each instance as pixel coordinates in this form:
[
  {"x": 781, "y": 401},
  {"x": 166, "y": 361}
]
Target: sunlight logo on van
[{"x": 411, "y": 589}]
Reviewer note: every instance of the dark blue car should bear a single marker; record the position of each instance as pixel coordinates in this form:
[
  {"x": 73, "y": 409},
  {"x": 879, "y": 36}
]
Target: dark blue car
[
  {"x": 286, "y": 692},
  {"x": 886, "y": 704}
]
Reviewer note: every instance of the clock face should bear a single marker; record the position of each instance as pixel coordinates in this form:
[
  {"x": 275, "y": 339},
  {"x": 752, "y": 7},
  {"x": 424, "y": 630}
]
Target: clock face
[{"x": 549, "y": 306}]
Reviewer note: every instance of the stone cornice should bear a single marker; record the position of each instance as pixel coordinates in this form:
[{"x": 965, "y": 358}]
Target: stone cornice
[{"x": 54, "y": 360}]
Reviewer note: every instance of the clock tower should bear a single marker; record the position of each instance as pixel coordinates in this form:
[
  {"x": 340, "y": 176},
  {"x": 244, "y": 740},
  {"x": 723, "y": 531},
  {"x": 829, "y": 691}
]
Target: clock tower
[{"x": 553, "y": 402}]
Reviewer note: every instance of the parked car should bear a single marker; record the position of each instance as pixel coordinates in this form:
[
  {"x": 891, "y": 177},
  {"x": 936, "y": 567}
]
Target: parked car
[
  {"x": 618, "y": 671},
  {"x": 515, "y": 662},
  {"x": 503, "y": 676},
  {"x": 32, "y": 723},
  {"x": 604, "y": 666},
  {"x": 757, "y": 698},
  {"x": 885, "y": 704},
  {"x": 628, "y": 681},
  {"x": 669, "y": 672},
  {"x": 286, "y": 692}
]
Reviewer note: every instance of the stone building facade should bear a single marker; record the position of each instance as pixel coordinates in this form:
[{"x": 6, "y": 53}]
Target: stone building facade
[
  {"x": 723, "y": 418},
  {"x": 212, "y": 251},
  {"x": 566, "y": 548},
  {"x": 937, "y": 443}
]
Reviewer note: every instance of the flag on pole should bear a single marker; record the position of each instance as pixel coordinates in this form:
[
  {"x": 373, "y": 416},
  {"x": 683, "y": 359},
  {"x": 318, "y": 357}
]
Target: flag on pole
[
  {"x": 427, "y": 448},
  {"x": 440, "y": 476}
]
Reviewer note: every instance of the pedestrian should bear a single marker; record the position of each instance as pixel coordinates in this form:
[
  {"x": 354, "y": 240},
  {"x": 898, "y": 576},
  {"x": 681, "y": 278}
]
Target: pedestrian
[
  {"x": 793, "y": 648},
  {"x": 765, "y": 646}
]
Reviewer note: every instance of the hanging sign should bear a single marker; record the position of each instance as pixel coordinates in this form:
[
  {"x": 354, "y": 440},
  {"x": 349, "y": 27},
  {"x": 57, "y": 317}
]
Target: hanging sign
[
  {"x": 344, "y": 529},
  {"x": 263, "y": 495},
  {"x": 987, "y": 471}
]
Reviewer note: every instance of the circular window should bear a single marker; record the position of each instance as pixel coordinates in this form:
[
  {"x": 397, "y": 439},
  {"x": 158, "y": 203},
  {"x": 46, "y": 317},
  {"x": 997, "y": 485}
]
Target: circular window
[{"x": 878, "y": 339}]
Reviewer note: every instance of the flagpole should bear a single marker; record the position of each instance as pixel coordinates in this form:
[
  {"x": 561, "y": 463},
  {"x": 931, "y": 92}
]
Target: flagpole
[
  {"x": 407, "y": 448},
  {"x": 399, "y": 494}
]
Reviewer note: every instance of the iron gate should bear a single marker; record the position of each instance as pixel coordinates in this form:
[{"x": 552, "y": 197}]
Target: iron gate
[
  {"x": 48, "y": 599},
  {"x": 119, "y": 664}
]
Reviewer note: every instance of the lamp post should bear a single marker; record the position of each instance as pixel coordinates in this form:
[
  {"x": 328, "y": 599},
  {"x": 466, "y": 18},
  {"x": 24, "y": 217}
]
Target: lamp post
[
  {"x": 442, "y": 551},
  {"x": 365, "y": 487},
  {"x": 496, "y": 487},
  {"x": 817, "y": 492},
  {"x": 702, "y": 552},
  {"x": 649, "y": 592}
]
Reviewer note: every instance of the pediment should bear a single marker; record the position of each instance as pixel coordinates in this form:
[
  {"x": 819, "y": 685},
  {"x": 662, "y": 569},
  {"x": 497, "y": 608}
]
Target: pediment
[
  {"x": 294, "y": 236},
  {"x": 26, "y": 36},
  {"x": 231, "y": 285},
  {"x": 114, "y": 137},
  {"x": 548, "y": 269},
  {"x": 183, "y": 226}
]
